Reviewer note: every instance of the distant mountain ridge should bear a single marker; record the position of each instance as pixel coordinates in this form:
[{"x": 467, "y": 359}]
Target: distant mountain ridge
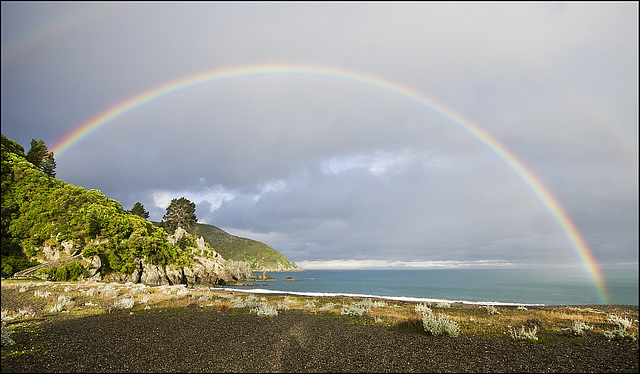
[{"x": 260, "y": 256}]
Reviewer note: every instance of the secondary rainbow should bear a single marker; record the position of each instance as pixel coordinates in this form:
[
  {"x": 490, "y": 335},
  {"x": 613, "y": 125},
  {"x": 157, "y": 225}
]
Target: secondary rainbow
[{"x": 539, "y": 189}]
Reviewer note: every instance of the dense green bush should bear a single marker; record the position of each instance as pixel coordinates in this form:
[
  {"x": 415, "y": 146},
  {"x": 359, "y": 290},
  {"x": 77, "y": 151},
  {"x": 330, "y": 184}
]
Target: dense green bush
[
  {"x": 70, "y": 272},
  {"x": 38, "y": 211}
]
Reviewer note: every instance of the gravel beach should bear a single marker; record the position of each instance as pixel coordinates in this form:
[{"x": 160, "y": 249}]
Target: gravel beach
[
  {"x": 182, "y": 340},
  {"x": 192, "y": 339}
]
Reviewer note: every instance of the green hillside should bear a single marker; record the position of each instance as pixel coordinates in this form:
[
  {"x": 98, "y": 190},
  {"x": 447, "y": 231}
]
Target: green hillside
[
  {"x": 231, "y": 247},
  {"x": 39, "y": 211},
  {"x": 42, "y": 213}
]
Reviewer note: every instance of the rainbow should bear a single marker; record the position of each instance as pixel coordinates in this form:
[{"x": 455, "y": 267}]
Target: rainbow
[{"x": 538, "y": 188}]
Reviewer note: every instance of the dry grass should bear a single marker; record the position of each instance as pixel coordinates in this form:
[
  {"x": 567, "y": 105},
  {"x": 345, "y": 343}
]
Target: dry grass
[{"x": 97, "y": 297}]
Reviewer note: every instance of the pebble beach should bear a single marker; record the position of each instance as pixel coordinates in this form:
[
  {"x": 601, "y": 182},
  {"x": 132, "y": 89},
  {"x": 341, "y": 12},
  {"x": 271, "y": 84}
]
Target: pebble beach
[{"x": 193, "y": 338}]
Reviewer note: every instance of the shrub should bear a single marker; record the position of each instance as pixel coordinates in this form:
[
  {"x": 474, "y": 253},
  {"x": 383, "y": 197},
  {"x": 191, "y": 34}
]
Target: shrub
[
  {"x": 443, "y": 304},
  {"x": 440, "y": 325},
  {"x": 524, "y": 333},
  {"x": 357, "y": 309},
  {"x": 64, "y": 303},
  {"x": 327, "y": 306},
  {"x": 70, "y": 272},
  {"x": 6, "y": 337},
  {"x": 620, "y": 332},
  {"x": 237, "y": 302},
  {"x": 39, "y": 293},
  {"x": 126, "y": 303},
  {"x": 577, "y": 328},
  {"x": 492, "y": 309},
  {"x": 353, "y": 310},
  {"x": 282, "y": 305},
  {"x": 264, "y": 309},
  {"x": 311, "y": 304},
  {"x": 423, "y": 308}
]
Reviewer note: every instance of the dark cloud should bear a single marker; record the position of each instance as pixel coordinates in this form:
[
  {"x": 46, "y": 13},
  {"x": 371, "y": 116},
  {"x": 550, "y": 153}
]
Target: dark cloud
[{"x": 328, "y": 168}]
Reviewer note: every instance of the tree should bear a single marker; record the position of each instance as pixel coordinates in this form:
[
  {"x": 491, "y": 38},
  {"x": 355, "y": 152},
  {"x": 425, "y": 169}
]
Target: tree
[
  {"x": 138, "y": 210},
  {"x": 49, "y": 166},
  {"x": 180, "y": 213},
  {"x": 38, "y": 153},
  {"x": 41, "y": 158}
]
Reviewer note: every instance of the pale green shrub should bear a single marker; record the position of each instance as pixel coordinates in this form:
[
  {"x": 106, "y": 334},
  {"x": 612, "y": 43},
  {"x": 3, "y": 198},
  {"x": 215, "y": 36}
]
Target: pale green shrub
[
  {"x": 620, "y": 332},
  {"x": 357, "y": 309},
  {"x": 311, "y": 304},
  {"x": 237, "y": 302},
  {"x": 282, "y": 305},
  {"x": 492, "y": 309},
  {"x": 522, "y": 307},
  {"x": 126, "y": 303},
  {"x": 621, "y": 323},
  {"x": 109, "y": 291},
  {"x": 524, "y": 333},
  {"x": 172, "y": 297},
  {"x": 441, "y": 324},
  {"x": 379, "y": 304},
  {"x": 327, "y": 306},
  {"x": 443, "y": 304},
  {"x": 6, "y": 336},
  {"x": 353, "y": 310},
  {"x": 39, "y": 293},
  {"x": 264, "y": 309},
  {"x": 251, "y": 301},
  {"x": 578, "y": 328},
  {"x": 64, "y": 304},
  {"x": 423, "y": 308}
]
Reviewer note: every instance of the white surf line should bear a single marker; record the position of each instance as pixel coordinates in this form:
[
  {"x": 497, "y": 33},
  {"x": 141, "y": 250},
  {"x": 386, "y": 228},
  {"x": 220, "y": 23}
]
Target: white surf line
[{"x": 396, "y": 298}]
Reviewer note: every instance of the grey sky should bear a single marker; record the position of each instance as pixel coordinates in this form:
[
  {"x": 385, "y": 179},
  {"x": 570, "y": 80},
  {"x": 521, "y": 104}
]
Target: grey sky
[{"x": 336, "y": 172}]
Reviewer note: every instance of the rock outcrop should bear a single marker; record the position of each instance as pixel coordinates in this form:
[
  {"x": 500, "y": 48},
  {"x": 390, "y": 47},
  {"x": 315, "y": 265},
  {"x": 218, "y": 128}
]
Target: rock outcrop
[{"x": 209, "y": 269}]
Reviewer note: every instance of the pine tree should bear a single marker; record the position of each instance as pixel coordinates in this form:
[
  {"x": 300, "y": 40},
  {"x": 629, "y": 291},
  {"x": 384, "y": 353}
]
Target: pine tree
[
  {"x": 41, "y": 158},
  {"x": 180, "y": 213},
  {"x": 138, "y": 210},
  {"x": 49, "y": 166},
  {"x": 38, "y": 153}
]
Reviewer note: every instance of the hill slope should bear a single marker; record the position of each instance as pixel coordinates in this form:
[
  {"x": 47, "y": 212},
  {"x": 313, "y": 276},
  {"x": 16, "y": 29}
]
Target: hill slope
[{"x": 231, "y": 247}]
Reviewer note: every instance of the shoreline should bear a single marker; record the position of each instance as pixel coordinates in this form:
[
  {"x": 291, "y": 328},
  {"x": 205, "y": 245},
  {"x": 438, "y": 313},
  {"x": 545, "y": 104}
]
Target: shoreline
[{"x": 218, "y": 330}]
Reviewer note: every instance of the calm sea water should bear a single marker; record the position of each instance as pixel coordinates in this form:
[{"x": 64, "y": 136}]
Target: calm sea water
[{"x": 503, "y": 286}]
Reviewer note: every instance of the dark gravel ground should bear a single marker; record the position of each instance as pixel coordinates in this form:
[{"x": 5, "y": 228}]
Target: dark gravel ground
[{"x": 198, "y": 340}]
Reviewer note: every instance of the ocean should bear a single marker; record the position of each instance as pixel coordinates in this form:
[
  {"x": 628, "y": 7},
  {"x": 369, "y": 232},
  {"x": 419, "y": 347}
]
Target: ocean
[{"x": 481, "y": 286}]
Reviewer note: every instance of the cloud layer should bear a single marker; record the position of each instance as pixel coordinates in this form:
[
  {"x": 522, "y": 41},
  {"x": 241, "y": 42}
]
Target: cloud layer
[{"x": 329, "y": 170}]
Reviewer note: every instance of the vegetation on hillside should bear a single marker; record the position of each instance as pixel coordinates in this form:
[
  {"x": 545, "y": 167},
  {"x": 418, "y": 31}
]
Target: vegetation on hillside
[
  {"x": 40, "y": 211},
  {"x": 259, "y": 255}
]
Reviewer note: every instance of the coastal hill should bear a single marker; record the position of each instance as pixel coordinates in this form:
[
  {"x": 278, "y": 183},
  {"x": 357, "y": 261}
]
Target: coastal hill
[
  {"x": 260, "y": 256},
  {"x": 45, "y": 220}
]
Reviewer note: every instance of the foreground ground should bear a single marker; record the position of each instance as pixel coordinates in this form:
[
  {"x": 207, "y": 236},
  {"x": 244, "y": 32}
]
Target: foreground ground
[{"x": 201, "y": 330}]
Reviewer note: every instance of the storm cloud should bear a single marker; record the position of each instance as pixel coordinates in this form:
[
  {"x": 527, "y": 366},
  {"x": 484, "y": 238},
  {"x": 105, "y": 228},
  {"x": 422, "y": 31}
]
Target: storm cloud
[{"x": 337, "y": 172}]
